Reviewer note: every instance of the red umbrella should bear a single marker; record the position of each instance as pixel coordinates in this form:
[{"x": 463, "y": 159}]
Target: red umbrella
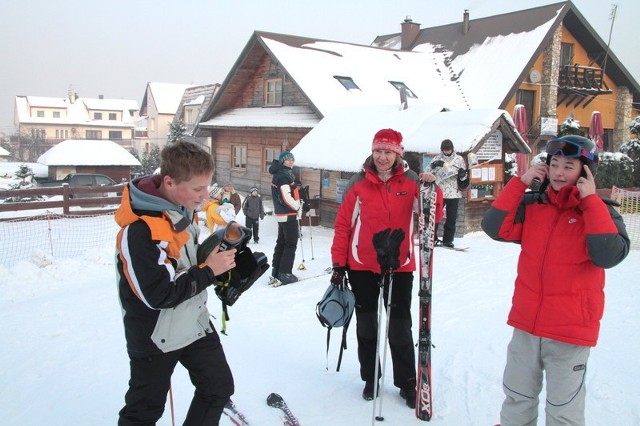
[
  {"x": 596, "y": 131},
  {"x": 522, "y": 126}
]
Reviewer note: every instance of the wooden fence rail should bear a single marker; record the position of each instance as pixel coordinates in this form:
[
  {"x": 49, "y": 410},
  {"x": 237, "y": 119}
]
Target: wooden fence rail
[{"x": 102, "y": 199}]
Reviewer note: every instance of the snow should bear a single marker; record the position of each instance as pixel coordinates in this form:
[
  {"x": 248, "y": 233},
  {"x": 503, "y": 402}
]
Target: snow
[
  {"x": 86, "y": 152},
  {"x": 423, "y": 127},
  {"x": 64, "y": 359}
]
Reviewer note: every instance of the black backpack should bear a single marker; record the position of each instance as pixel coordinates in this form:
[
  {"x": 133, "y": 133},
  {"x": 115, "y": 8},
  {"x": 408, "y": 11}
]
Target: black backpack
[{"x": 335, "y": 309}]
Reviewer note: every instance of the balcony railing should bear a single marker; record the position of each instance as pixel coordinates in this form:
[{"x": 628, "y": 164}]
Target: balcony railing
[{"x": 586, "y": 80}]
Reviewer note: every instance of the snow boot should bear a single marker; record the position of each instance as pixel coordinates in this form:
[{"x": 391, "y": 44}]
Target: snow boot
[
  {"x": 367, "y": 392},
  {"x": 409, "y": 396},
  {"x": 286, "y": 278}
]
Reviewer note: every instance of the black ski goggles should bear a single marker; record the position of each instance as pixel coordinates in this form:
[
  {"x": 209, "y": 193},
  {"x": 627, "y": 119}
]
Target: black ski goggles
[{"x": 567, "y": 149}]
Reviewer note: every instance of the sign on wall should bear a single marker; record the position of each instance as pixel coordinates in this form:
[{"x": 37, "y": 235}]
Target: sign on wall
[{"x": 491, "y": 149}]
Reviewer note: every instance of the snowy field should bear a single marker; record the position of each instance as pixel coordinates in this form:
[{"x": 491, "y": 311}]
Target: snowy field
[{"x": 64, "y": 361}]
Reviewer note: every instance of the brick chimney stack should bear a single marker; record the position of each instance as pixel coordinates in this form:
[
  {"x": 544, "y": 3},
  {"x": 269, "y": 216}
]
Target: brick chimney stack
[
  {"x": 409, "y": 34},
  {"x": 465, "y": 21}
]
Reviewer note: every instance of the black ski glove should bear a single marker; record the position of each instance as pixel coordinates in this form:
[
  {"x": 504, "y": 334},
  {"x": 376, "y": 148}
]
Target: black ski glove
[
  {"x": 305, "y": 207},
  {"x": 339, "y": 278},
  {"x": 437, "y": 163},
  {"x": 387, "y": 245},
  {"x": 461, "y": 174}
]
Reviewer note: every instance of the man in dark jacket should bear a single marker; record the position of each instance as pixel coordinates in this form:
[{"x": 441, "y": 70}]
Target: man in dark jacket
[
  {"x": 286, "y": 208},
  {"x": 253, "y": 212}
]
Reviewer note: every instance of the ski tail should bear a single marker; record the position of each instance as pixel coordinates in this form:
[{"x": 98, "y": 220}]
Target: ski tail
[
  {"x": 237, "y": 418},
  {"x": 427, "y": 203}
]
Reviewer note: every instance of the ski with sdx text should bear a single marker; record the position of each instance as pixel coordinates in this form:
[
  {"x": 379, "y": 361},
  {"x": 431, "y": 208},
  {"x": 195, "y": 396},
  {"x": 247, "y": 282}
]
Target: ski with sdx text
[{"x": 428, "y": 200}]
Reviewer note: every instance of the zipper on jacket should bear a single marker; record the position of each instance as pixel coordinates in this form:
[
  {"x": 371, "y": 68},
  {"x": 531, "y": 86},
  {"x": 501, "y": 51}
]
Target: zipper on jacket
[{"x": 542, "y": 264}]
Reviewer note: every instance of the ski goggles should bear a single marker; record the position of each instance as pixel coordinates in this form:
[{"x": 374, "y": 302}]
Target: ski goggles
[
  {"x": 567, "y": 149},
  {"x": 234, "y": 236}
]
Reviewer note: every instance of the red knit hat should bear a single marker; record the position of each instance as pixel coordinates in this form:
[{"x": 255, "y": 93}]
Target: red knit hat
[{"x": 388, "y": 140}]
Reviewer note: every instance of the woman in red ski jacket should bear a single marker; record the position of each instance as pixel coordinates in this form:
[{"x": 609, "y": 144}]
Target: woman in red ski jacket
[
  {"x": 382, "y": 196},
  {"x": 568, "y": 236}
]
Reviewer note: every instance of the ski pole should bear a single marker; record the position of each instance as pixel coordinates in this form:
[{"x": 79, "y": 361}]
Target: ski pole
[
  {"x": 173, "y": 413},
  {"x": 301, "y": 267},
  {"x": 379, "y": 417},
  {"x": 310, "y": 235},
  {"x": 377, "y": 367}
]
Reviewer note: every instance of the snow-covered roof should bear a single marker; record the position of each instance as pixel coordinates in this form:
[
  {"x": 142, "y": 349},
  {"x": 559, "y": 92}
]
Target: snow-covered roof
[
  {"x": 314, "y": 66},
  {"x": 77, "y": 112},
  {"x": 294, "y": 116},
  {"x": 166, "y": 96},
  {"x": 3, "y": 152},
  {"x": 342, "y": 140},
  {"x": 83, "y": 152}
]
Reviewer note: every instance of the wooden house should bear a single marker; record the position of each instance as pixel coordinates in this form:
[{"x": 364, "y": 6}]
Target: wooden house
[{"x": 283, "y": 87}]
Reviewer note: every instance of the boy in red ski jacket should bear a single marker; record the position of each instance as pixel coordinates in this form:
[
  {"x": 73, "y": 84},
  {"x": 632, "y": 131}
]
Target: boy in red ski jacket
[{"x": 568, "y": 236}]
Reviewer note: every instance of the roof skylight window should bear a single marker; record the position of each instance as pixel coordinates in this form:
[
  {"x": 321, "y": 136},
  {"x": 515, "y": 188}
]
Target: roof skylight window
[{"x": 347, "y": 82}]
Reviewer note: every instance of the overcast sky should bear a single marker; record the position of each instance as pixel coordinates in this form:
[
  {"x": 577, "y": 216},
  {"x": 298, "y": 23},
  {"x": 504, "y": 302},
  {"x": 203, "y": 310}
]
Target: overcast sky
[{"x": 114, "y": 48}]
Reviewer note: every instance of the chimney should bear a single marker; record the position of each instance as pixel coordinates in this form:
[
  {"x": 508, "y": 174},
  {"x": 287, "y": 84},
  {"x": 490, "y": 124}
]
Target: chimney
[
  {"x": 409, "y": 34},
  {"x": 465, "y": 21}
]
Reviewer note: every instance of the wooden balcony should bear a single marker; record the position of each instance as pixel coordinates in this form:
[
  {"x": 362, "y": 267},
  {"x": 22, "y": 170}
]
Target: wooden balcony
[{"x": 580, "y": 85}]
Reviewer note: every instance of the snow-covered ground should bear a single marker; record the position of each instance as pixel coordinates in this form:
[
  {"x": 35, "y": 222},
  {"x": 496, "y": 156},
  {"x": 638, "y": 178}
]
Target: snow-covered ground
[{"x": 64, "y": 361}]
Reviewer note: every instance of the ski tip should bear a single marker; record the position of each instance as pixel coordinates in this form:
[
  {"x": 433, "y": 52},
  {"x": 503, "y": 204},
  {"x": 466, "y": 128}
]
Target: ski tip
[{"x": 273, "y": 398}]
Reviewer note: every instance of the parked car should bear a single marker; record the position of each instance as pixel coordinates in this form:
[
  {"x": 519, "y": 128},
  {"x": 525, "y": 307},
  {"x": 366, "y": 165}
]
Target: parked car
[{"x": 84, "y": 180}]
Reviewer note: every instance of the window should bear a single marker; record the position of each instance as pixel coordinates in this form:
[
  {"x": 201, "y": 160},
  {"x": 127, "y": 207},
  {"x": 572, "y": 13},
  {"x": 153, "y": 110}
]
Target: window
[
  {"x": 566, "y": 54},
  {"x": 93, "y": 134},
  {"x": 400, "y": 85},
  {"x": 40, "y": 114},
  {"x": 38, "y": 133},
  {"x": 189, "y": 115},
  {"x": 62, "y": 134},
  {"x": 347, "y": 82},
  {"x": 239, "y": 157},
  {"x": 113, "y": 116},
  {"x": 56, "y": 114},
  {"x": 97, "y": 116},
  {"x": 115, "y": 134},
  {"x": 270, "y": 154},
  {"x": 152, "y": 124},
  {"x": 273, "y": 92}
]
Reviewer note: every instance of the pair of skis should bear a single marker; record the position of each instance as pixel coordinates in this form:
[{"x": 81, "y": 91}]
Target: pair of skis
[
  {"x": 273, "y": 400},
  {"x": 427, "y": 203}
]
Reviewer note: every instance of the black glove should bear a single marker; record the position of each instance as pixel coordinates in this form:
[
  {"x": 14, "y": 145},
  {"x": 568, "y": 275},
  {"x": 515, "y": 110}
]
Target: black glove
[
  {"x": 305, "y": 206},
  {"x": 249, "y": 267},
  {"x": 387, "y": 245},
  {"x": 461, "y": 174},
  {"x": 339, "y": 278},
  {"x": 437, "y": 163}
]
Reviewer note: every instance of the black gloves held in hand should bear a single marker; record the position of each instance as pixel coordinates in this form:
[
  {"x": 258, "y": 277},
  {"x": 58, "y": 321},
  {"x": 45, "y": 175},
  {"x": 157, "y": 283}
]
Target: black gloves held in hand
[
  {"x": 437, "y": 163},
  {"x": 339, "y": 278},
  {"x": 461, "y": 173},
  {"x": 305, "y": 207},
  {"x": 387, "y": 245}
]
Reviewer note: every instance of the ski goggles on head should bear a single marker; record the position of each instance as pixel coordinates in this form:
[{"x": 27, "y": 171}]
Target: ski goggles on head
[{"x": 567, "y": 149}]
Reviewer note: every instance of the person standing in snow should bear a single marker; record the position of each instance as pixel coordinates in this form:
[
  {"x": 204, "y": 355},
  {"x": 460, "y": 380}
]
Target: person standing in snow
[
  {"x": 287, "y": 208},
  {"x": 231, "y": 196},
  {"x": 163, "y": 291},
  {"x": 568, "y": 236},
  {"x": 449, "y": 167},
  {"x": 253, "y": 212},
  {"x": 380, "y": 197},
  {"x": 218, "y": 214}
]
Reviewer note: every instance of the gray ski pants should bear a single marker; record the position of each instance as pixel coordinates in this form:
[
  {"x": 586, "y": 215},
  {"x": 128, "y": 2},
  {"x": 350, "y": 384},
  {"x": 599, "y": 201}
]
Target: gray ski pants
[{"x": 565, "y": 367}]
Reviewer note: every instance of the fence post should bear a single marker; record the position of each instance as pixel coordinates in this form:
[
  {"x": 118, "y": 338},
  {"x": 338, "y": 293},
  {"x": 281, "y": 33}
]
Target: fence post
[{"x": 65, "y": 198}]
